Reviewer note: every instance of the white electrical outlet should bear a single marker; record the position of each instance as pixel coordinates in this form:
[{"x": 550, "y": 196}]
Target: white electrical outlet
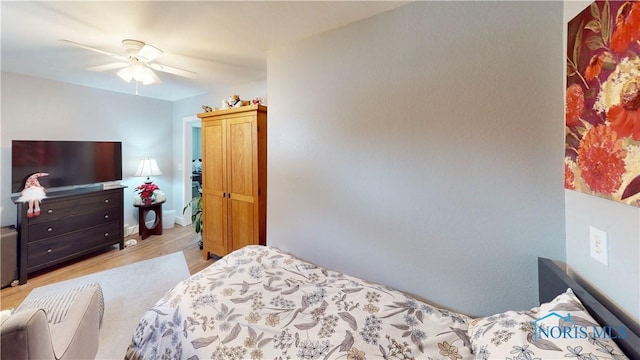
[{"x": 598, "y": 245}]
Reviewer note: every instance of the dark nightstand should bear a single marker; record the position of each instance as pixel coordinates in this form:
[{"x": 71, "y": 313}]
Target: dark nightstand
[{"x": 143, "y": 210}]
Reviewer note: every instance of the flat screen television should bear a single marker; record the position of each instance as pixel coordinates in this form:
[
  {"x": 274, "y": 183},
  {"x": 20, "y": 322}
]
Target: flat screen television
[{"x": 69, "y": 163}]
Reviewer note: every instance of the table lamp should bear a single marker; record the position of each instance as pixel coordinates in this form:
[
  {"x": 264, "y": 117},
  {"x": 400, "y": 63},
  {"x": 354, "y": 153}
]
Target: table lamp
[{"x": 148, "y": 167}]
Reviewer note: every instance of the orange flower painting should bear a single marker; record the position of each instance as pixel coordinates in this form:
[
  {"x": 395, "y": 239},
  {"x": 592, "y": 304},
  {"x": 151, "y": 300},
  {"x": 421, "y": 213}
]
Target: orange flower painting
[{"x": 602, "y": 102}]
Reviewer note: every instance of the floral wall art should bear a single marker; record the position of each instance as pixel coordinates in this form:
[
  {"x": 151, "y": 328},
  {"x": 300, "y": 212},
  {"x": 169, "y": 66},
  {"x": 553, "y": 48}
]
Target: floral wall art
[{"x": 602, "y": 147}]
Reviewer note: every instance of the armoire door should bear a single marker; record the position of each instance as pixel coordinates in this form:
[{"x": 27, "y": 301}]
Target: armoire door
[
  {"x": 242, "y": 170},
  {"x": 214, "y": 185}
]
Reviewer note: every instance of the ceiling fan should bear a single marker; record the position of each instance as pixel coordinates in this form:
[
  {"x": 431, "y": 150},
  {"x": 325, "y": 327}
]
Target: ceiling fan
[{"x": 137, "y": 64}]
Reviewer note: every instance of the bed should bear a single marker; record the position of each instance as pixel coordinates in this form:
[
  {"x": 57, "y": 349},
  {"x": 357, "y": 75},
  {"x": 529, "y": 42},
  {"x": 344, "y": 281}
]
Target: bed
[
  {"x": 553, "y": 279},
  {"x": 262, "y": 303}
]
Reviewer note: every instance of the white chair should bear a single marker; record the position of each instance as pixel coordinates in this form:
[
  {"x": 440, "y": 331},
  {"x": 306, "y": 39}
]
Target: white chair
[{"x": 64, "y": 325}]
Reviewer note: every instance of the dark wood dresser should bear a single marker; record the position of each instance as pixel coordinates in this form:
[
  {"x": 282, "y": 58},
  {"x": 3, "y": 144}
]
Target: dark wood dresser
[{"x": 71, "y": 223}]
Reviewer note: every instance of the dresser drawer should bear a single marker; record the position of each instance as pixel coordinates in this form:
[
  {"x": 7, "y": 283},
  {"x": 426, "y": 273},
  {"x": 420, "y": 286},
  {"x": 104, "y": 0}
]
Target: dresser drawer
[
  {"x": 55, "y": 209},
  {"x": 47, "y": 229},
  {"x": 42, "y": 253},
  {"x": 71, "y": 224}
]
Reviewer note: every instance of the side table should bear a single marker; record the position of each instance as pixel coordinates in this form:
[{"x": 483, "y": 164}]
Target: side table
[{"x": 143, "y": 209}]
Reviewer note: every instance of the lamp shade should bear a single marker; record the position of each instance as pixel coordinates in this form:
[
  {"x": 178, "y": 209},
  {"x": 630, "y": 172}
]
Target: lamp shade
[
  {"x": 138, "y": 72},
  {"x": 126, "y": 74},
  {"x": 148, "y": 167}
]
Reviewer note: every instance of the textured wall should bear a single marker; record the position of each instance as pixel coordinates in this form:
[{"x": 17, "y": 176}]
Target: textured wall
[
  {"x": 38, "y": 109},
  {"x": 422, "y": 148}
]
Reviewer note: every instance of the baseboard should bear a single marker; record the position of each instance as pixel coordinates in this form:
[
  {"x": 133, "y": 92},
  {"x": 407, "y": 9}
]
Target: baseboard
[
  {"x": 133, "y": 230},
  {"x": 181, "y": 220},
  {"x": 130, "y": 230}
]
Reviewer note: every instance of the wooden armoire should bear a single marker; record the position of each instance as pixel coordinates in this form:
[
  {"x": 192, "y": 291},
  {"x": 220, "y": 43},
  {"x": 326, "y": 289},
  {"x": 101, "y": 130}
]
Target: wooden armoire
[{"x": 234, "y": 179}]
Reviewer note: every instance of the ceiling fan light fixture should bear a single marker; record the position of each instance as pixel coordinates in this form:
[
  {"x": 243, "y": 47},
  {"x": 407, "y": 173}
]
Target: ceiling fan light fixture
[
  {"x": 146, "y": 76},
  {"x": 138, "y": 72},
  {"x": 137, "y": 64},
  {"x": 126, "y": 74}
]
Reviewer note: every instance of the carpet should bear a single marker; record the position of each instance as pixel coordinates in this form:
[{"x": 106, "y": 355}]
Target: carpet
[{"x": 128, "y": 292}]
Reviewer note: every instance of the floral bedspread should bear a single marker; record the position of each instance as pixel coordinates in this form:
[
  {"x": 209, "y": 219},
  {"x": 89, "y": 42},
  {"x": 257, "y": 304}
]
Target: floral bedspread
[{"x": 262, "y": 303}]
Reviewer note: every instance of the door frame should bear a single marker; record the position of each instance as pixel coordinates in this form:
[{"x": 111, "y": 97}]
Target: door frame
[{"x": 185, "y": 176}]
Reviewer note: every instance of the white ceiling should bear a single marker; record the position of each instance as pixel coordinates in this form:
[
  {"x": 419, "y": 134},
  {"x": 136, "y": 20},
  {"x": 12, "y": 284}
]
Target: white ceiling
[{"x": 225, "y": 42}]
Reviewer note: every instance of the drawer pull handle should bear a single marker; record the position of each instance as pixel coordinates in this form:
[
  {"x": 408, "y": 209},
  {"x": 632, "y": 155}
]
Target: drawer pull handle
[
  {"x": 106, "y": 234},
  {"x": 49, "y": 251},
  {"x": 106, "y": 216},
  {"x": 106, "y": 201},
  {"x": 50, "y": 211},
  {"x": 50, "y": 229}
]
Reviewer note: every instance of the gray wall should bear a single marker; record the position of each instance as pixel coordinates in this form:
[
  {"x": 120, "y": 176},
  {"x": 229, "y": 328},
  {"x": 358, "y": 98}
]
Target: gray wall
[
  {"x": 621, "y": 279},
  {"x": 422, "y": 148},
  {"x": 38, "y": 109}
]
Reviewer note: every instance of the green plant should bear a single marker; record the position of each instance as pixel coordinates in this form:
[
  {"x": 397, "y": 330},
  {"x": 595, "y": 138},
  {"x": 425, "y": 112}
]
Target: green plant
[{"x": 196, "y": 213}]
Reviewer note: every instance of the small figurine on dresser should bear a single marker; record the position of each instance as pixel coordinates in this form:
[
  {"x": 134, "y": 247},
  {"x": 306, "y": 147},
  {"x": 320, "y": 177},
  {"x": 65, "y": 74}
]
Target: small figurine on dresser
[{"x": 33, "y": 193}]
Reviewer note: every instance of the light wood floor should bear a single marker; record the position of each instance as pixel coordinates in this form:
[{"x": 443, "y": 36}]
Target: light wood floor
[{"x": 178, "y": 238}]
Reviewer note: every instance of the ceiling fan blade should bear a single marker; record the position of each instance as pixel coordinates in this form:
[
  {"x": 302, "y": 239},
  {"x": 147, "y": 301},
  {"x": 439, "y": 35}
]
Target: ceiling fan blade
[
  {"x": 175, "y": 71},
  {"x": 149, "y": 53},
  {"x": 106, "y": 67},
  {"x": 120, "y": 57}
]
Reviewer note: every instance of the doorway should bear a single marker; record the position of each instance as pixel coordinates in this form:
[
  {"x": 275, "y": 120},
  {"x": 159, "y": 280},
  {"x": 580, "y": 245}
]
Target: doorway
[{"x": 192, "y": 160}]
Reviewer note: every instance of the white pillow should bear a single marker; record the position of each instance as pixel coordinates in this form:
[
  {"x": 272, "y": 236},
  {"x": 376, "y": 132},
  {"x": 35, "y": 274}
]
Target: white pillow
[{"x": 559, "y": 329}]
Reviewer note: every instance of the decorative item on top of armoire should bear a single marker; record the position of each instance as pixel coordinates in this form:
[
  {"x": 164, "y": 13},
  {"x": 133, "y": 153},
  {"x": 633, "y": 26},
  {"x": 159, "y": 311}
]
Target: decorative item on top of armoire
[
  {"x": 234, "y": 178},
  {"x": 234, "y": 101},
  {"x": 602, "y": 119}
]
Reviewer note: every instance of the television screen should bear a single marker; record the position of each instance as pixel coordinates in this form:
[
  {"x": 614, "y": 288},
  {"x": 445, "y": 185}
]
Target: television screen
[{"x": 69, "y": 163}]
